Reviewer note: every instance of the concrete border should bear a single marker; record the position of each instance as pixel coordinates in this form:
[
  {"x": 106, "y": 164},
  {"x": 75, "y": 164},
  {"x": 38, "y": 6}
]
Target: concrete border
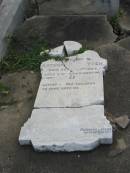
[{"x": 11, "y": 15}]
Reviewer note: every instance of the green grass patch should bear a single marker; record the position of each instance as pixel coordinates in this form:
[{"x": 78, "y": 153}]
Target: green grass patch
[
  {"x": 25, "y": 60},
  {"x": 18, "y": 59},
  {"x": 82, "y": 50},
  {"x": 4, "y": 89}
]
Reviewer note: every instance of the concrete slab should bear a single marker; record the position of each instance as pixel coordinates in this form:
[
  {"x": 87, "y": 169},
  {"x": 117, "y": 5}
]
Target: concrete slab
[
  {"x": 117, "y": 88},
  {"x": 11, "y": 14},
  {"x": 125, "y": 19},
  {"x": 72, "y": 7},
  {"x": 125, "y": 43},
  {"x": 57, "y": 29}
]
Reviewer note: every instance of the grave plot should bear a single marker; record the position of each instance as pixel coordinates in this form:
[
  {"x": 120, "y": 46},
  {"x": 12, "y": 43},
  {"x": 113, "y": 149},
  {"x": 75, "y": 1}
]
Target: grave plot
[{"x": 68, "y": 112}]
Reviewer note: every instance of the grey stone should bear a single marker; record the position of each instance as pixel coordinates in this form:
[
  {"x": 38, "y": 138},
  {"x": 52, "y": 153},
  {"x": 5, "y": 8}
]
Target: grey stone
[
  {"x": 72, "y": 7},
  {"x": 66, "y": 129},
  {"x": 11, "y": 15},
  {"x": 122, "y": 121},
  {"x": 125, "y": 18},
  {"x": 117, "y": 90},
  {"x": 125, "y": 23},
  {"x": 56, "y": 29},
  {"x": 125, "y": 43}
]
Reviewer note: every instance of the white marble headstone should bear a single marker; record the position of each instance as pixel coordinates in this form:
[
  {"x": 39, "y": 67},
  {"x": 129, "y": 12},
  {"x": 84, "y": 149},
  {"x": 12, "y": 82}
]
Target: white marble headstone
[
  {"x": 66, "y": 129},
  {"x": 68, "y": 112}
]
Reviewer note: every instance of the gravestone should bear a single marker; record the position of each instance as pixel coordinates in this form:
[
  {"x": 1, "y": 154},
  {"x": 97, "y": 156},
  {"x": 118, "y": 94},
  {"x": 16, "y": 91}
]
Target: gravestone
[
  {"x": 68, "y": 112},
  {"x": 81, "y": 77}
]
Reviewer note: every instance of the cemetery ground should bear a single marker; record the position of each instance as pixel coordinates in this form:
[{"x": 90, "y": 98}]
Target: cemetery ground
[{"x": 19, "y": 83}]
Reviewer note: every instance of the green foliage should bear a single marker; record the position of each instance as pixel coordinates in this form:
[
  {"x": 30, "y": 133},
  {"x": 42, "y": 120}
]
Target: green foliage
[
  {"x": 82, "y": 50},
  {"x": 25, "y": 60},
  {"x": 3, "y": 89}
]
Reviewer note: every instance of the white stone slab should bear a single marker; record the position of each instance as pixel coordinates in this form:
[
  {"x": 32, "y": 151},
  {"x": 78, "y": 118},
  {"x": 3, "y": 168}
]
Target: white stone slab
[
  {"x": 74, "y": 83},
  {"x": 57, "y": 52},
  {"x": 67, "y": 129},
  {"x": 73, "y": 90},
  {"x": 87, "y": 61},
  {"x": 72, "y": 47},
  {"x": 68, "y": 115}
]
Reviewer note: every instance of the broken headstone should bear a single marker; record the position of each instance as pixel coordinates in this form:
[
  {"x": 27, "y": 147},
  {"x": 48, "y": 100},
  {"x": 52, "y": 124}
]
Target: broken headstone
[
  {"x": 68, "y": 112},
  {"x": 72, "y": 47}
]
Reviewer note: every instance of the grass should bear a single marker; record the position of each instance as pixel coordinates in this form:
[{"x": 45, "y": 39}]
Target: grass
[
  {"x": 4, "y": 89},
  {"x": 18, "y": 60},
  {"x": 26, "y": 60},
  {"x": 82, "y": 50}
]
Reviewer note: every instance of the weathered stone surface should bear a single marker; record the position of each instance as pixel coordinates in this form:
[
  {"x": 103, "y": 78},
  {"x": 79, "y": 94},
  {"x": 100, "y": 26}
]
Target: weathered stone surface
[
  {"x": 125, "y": 43},
  {"x": 72, "y": 7},
  {"x": 56, "y": 29},
  {"x": 66, "y": 129},
  {"x": 75, "y": 83},
  {"x": 68, "y": 115},
  {"x": 117, "y": 90},
  {"x": 11, "y": 15},
  {"x": 72, "y": 47},
  {"x": 87, "y": 62},
  {"x": 125, "y": 19},
  {"x": 71, "y": 90}
]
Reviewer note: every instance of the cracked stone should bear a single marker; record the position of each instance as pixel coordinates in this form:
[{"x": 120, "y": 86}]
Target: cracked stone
[
  {"x": 57, "y": 52},
  {"x": 66, "y": 129},
  {"x": 68, "y": 113},
  {"x": 72, "y": 47},
  {"x": 68, "y": 84}
]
